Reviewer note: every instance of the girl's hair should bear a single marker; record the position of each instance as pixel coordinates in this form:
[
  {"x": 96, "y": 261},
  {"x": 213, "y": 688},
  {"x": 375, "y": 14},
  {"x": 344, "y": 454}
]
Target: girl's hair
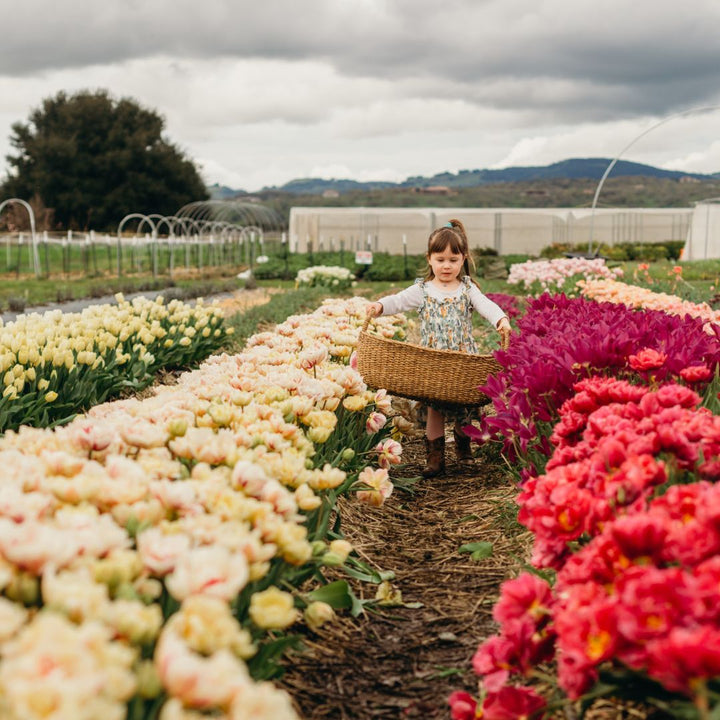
[{"x": 451, "y": 235}]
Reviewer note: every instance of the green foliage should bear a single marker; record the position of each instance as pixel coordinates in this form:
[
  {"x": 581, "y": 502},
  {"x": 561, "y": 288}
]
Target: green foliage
[
  {"x": 384, "y": 266},
  {"x": 93, "y": 160},
  {"x": 643, "y": 252}
]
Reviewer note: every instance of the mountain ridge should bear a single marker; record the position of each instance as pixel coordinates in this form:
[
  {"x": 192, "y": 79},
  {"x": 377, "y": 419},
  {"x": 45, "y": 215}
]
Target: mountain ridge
[{"x": 571, "y": 168}]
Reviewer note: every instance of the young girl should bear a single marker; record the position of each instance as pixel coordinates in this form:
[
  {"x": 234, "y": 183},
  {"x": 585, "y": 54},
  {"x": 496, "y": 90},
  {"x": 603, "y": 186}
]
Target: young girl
[{"x": 445, "y": 298}]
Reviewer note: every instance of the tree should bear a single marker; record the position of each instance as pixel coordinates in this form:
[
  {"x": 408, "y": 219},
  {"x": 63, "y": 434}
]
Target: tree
[{"x": 93, "y": 160}]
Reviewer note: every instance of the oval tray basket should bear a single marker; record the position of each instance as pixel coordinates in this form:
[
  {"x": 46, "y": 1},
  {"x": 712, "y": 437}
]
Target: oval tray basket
[{"x": 421, "y": 373}]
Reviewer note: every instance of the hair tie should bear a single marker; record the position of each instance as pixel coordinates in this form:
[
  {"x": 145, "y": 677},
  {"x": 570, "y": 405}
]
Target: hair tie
[{"x": 448, "y": 224}]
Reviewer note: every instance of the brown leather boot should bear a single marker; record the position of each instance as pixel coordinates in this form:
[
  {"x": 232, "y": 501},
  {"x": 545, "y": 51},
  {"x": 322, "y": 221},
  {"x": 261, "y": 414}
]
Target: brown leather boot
[
  {"x": 435, "y": 464},
  {"x": 463, "y": 451}
]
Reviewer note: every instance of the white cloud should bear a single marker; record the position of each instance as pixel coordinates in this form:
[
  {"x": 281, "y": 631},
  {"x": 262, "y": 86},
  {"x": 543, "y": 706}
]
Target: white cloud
[{"x": 261, "y": 93}]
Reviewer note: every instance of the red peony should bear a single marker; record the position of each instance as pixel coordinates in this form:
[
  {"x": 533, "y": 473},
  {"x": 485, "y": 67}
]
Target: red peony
[
  {"x": 463, "y": 706},
  {"x": 696, "y": 373},
  {"x": 494, "y": 660},
  {"x": 647, "y": 359},
  {"x": 639, "y": 536},
  {"x": 525, "y": 596},
  {"x": 513, "y": 703},
  {"x": 684, "y": 657}
]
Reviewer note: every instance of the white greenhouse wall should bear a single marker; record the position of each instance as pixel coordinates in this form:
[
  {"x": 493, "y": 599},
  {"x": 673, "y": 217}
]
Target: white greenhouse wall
[{"x": 507, "y": 230}]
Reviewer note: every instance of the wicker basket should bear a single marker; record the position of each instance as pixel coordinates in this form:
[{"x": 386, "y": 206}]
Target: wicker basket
[{"x": 421, "y": 373}]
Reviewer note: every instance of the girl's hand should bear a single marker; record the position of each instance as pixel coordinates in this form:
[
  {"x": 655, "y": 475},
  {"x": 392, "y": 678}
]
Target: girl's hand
[
  {"x": 503, "y": 327},
  {"x": 374, "y": 309}
]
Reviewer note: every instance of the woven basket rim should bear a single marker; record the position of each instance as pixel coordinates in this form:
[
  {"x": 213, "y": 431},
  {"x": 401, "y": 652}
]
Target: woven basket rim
[
  {"x": 427, "y": 364},
  {"x": 442, "y": 351}
]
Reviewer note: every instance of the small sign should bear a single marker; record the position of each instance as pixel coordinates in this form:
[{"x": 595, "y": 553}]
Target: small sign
[{"x": 363, "y": 257}]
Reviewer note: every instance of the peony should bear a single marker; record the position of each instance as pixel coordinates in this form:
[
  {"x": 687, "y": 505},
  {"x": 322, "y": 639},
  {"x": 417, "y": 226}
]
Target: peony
[
  {"x": 526, "y": 595},
  {"x": 12, "y": 617},
  {"x": 211, "y": 570},
  {"x": 206, "y": 624},
  {"x": 375, "y": 422},
  {"x": 34, "y": 545},
  {"x": 389, "y": 452},
  {"x": 196, "y": 680},
  {"x": 262, "y": 700},
  {"x": 273, "y": 609},
  {"x": 379, "y": 484},
  {"x": 512, "y": 703},
  {"x": 696, "y": 373},
  {"x": 647, "y": 359},
  {"x": 463, "y": 706},
  {"x": 317, "y": 613},
  {"x": 72, "y": 671}
]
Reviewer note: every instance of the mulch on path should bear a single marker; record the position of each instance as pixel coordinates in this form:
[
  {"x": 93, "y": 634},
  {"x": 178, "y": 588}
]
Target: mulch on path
[{"x": 404, "y": 662}]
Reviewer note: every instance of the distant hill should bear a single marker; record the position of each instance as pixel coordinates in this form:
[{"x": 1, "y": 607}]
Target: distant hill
[
  {"x": 572, "y": 169},
  {"x": 222, "y": 192}
]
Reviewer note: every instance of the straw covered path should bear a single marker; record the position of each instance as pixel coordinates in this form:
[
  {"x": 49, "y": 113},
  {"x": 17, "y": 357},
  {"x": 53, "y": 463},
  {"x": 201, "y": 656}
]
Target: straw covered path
[{"x": 403, "y": 662}]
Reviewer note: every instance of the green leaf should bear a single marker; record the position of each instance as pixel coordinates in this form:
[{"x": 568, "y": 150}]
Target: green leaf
[
  {"x": 477, "y": 550},
  {"x": 337, "y": 594}
]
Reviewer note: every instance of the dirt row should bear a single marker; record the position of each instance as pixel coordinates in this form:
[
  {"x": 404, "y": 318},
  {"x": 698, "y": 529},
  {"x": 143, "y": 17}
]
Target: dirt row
[{"x": 403, "y": 661}]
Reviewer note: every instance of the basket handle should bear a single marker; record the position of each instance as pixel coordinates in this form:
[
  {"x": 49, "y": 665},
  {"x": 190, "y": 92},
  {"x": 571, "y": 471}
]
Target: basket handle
[
  {"x": 366, "y": 322},
  {"x": 504, "y": 339}
]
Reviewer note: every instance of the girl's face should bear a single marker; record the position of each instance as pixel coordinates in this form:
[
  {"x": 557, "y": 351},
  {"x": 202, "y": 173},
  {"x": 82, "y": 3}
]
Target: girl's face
[{"x": 446, "y": 265}]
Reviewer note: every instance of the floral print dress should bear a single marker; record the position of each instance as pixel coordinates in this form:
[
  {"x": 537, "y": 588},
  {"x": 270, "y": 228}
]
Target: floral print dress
[{"x": 446, "y": 324}]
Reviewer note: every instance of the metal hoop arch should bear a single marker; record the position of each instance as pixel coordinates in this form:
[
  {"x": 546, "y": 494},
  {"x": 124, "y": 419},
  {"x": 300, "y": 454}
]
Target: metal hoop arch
[
  {"x": 143, "y": 219},
  {"x": 612, "y": 164},
  {"x": 33, "y": 235},
  {"x": 233, "y": 213}
]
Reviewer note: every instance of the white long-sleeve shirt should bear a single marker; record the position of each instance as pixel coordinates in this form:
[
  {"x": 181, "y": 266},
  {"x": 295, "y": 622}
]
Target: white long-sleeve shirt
[{"x": 412, "y": 297}]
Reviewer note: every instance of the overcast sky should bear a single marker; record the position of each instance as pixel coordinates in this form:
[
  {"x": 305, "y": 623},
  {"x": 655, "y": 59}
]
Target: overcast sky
[{"x": 259, "y": 93}]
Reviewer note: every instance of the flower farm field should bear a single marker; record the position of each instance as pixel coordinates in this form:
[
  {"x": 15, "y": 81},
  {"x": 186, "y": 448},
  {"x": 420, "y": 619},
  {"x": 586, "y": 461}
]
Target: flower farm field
[{"x": 251, "y": 538}]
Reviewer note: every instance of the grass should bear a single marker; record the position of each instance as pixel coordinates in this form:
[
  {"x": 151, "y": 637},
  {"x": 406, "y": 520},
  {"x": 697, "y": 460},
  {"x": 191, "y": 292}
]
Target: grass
[
  {"x": 16, "y": 294},
  {"x": 700, "y": 283}
]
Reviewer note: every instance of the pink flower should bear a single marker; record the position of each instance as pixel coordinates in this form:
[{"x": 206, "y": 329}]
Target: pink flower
[
  {"x": 379, "y": 486},
  {"x": 575, "y": 677},
  {"x": 639, "y": 536},
  {"x": 494, "y": 660},
  {"x": 463, "y": 706},
  {"x": 647, "y": 359},
  {"x": 526, "y": 595},
  {"x": 389, "y": 452},
  {"x": 209, "y": 570},
  {"x": 685, "y": 656},
  {"x": 696, "y": 373},
  {"x": 651, "y": 602},
  {"x": 375, "y": 422},
  {"x": 513, "y": 703}
]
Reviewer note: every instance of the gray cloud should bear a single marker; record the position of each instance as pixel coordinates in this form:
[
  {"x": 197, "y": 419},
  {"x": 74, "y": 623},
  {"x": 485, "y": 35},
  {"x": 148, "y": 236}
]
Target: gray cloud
[
  {"x": 358, "y": 69},
  {"x": 612, "y": 44}
]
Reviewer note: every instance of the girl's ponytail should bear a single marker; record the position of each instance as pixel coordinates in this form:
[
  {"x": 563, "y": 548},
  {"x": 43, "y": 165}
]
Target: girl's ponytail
[{"x": 469, "y": 264}]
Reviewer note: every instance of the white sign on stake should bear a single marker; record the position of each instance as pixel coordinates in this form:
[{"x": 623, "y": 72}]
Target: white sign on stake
[{"x": 363, "y": 257}]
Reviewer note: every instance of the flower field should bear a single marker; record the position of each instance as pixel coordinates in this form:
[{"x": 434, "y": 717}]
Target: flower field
[
  {"x": 57, "y": 364},
  {"x": 609, "y": 410},
  {"x": 163, "y": 557},
  {"x": 153, "y": 550},
  {"x": 539, "y": 276}
]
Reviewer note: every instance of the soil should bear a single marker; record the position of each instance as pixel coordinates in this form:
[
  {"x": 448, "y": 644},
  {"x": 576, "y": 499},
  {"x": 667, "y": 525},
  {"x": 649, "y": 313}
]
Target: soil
[
  {"x": 400, "y": 661},
  {"x": 404, "y": 661}
]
